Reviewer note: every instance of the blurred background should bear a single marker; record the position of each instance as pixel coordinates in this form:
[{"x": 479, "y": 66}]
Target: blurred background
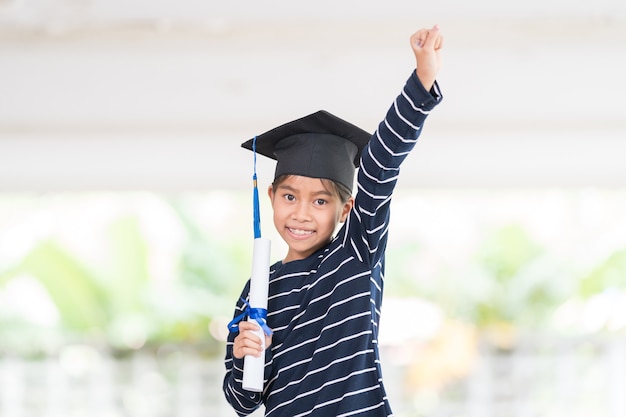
[{"x": 125, "y": 216}]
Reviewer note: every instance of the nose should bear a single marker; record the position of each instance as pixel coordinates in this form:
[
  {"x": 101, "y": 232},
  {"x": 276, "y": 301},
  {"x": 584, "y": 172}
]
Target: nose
[{"x": 301, "y": 212}]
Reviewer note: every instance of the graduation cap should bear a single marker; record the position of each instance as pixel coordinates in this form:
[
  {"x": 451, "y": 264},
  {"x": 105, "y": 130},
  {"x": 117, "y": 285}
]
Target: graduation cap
[{"x": 320, "y": 145}]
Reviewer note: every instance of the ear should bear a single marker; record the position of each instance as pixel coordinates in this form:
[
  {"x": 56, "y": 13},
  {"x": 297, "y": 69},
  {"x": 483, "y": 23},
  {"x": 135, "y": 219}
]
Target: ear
[
  {"x": 270, "y": 192},
  {"x": 345, "y": 210}
]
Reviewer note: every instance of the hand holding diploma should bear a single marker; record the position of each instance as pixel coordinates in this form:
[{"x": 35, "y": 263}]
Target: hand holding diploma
[
  {"x": 248, "y": 342},
  {"x": 254, "y": 334}
]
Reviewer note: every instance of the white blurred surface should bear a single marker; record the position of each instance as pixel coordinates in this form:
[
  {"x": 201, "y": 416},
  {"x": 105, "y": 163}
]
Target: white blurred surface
[{"x": 159, "y": 95}]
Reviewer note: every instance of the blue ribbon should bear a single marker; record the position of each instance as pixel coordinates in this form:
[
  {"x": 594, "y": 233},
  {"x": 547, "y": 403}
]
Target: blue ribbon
[{"x": 257, "y": 314}]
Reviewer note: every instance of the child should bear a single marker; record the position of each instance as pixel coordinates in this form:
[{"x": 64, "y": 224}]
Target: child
[{"x": 325, "y": 296}]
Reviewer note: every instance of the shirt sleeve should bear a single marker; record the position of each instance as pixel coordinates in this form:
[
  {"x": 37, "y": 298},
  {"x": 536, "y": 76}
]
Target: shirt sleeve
[
  {"x": 395, "y": 137},
  {"x": 244, "y": 402}
]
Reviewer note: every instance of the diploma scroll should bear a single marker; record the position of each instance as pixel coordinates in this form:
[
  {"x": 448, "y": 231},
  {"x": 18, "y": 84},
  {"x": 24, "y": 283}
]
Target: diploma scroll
[{"x": 253, "y": 367}]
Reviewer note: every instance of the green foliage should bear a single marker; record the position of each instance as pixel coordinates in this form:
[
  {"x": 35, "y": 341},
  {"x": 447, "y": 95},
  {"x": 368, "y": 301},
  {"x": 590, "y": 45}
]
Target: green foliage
[
  {"x": 78, "y": 298},
  {"x": 400, "y": 259},
  {"x": 524, "y": 283},
  {"x": 213, "y": 268},
  {"x": 611, "y": 274},
  {"x": 504, "y": 253},
  {"x": 118, "y": 299},
  {"x": 507, "y": 280},
  {"x": 127, "y": 275},
  {"x": 116, "y": 295}
]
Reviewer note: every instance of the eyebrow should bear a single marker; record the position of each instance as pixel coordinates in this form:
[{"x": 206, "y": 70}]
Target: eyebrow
[{"x": 291, "y": 189}]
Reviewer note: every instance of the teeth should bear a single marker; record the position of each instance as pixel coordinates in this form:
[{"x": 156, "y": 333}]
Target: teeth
[{"x": 300, "y": 232}]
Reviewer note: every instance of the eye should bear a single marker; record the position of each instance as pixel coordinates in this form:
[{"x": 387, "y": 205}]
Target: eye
[
  {"x": 320, "y": 202},
  {"x": 289, "y": 197}
]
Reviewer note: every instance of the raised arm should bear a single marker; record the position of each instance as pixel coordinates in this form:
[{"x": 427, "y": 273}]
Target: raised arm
[{"x": 394, "y": 139}]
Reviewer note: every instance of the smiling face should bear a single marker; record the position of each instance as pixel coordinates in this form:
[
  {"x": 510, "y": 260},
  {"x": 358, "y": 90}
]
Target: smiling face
[{"x": 306, "y": 213}]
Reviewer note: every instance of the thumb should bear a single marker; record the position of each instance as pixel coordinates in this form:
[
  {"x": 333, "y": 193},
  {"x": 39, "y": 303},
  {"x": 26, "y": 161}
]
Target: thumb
[{"x": 432, "y": 38}]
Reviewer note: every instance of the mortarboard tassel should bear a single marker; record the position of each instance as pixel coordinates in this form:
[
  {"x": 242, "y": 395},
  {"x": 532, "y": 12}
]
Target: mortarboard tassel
[
  {"x": 255, "y": 198},
  {"x": 256, "y": 309}
]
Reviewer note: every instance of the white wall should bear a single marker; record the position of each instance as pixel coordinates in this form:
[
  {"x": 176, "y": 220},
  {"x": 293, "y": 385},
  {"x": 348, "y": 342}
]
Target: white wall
[{"x": 159, "y": 95}]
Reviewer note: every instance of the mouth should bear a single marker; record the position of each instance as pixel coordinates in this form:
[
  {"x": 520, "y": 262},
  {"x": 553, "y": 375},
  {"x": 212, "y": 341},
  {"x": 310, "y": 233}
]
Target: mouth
[{"x": 300, "y": 232}]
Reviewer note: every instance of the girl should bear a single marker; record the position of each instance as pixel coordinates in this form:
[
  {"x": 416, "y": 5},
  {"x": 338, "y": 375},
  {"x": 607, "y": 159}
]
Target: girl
[{"x": 325, "y": 296}]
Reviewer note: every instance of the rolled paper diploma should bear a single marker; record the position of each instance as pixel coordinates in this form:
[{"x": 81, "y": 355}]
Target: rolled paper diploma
[{"x": 253, "y": 367}]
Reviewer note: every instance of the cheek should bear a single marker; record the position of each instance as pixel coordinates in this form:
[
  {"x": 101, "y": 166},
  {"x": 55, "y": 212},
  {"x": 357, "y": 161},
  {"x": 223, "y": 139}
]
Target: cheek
[
  {"x": 339, "y": 217},
  {"x": 280, "y": 212},
  {"x": 277, "y": 213}
]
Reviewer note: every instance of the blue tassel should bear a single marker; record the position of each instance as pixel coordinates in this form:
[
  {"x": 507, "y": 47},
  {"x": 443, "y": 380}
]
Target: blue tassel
[{"x": 256, "y": 212}]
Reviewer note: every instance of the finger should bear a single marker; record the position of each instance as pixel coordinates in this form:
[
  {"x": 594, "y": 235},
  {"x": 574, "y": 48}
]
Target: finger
[
  {"x": 417, "y": 40},
  {"x": 245, "y": 351},
  {"x": 253, "y": 349},
  {"x": 248, "y": 325},
  {"x": 247, "y": 343},
  {"x": 439, "y": 43},
  {"x": 251, "y": 337},
  {"x": 432, "y": 38}
]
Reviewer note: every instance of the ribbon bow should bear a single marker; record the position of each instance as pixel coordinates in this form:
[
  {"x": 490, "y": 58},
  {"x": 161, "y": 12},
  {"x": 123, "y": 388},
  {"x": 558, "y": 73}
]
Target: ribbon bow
[{"x": 257, "y": 314}]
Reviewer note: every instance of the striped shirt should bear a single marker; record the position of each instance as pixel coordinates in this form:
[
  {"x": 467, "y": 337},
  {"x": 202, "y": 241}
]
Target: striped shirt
[{"x": 324, "y": 310}]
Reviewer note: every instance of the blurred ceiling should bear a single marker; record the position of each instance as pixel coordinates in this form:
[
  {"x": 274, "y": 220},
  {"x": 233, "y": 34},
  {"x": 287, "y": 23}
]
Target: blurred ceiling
[{"x": 158, "y": 95}]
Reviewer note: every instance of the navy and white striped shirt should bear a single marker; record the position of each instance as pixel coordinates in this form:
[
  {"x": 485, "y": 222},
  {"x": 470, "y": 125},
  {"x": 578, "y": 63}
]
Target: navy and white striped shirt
[{"x": 324, "y": 310}]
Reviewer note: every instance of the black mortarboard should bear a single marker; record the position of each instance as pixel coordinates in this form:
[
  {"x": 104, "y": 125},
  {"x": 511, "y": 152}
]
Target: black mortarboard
[{"x": 320, "y": 145}]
